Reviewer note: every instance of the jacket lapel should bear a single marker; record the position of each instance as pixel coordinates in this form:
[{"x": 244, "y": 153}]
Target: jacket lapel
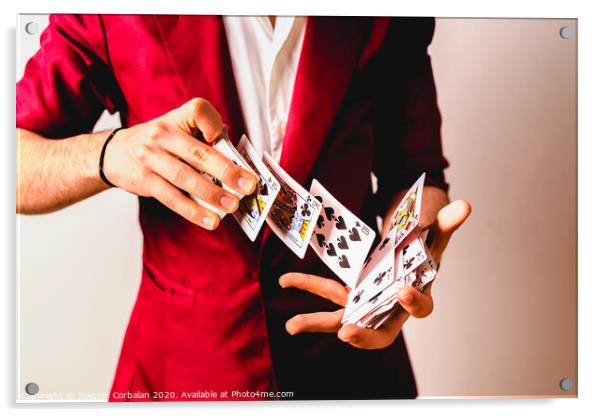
[
  {"x": 198, "y": 52},
  {"x": 328, "y": 58}
]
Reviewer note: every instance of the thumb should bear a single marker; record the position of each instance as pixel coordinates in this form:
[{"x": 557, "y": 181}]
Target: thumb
[
  {"x": 199, "y": 116},
  {"x": 449, "y": 219}
]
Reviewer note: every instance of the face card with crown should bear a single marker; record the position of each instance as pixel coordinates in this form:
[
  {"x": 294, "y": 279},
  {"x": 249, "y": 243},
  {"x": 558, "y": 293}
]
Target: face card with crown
[{"x": 295, "y": 212}]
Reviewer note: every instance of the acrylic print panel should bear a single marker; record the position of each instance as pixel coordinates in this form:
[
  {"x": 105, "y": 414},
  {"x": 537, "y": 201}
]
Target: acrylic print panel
[{"x": 505, "y": 321}]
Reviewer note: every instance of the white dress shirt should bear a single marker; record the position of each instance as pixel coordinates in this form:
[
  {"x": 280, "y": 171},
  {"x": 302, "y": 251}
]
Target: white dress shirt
[{"x": 265, "y": 61}]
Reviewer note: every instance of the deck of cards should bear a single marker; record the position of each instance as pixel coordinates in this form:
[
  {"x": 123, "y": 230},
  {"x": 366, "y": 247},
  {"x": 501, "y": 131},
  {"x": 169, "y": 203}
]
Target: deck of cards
[
  {"x": 401, "y": 259},
  {"x": 302, "y": 218}
]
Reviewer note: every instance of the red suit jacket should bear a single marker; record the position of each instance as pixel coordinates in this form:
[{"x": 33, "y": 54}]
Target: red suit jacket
[{"x": 210, "y": 314}]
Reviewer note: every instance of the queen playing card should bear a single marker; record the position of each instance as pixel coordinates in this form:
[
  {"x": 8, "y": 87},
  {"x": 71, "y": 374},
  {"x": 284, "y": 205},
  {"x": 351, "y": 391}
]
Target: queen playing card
[{"x": 294, "y": 213}]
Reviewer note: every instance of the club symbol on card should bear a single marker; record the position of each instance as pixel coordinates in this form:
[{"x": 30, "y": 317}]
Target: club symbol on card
[
  {"x": 342, "y": 243},
  {"x": 320, "y": 222},
  {"x": 305, "y": 211},
  {"x": 354, "y": 235},
  {"x": 343, "y": 261},
  {"x": 331, "y": 251},
  {"x": 329, "y": 211},
  {"x": 358, "y": 296},
  {"x": 321, "y": 239},
  {"x": 384, "y": 242},
  {"x": 340, "y": 223},
  {"x": 379, "y": 278}
]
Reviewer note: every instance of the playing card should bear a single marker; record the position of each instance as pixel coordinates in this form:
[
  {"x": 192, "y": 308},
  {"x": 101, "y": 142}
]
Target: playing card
[
  {"x": 418, "y": 278},
  {"x": 377, "y": 314},
  {"x": 295, "y": 212},
  {"x": 340, "y": 238},
  {"x": 224, "y": 146},
  {"x": 425, "y": 273},
  {"x": 254, "y": 208},
  {"x": 407, "y": 214},
  {"x": 376, "y": 276},
  {"x": 410, "y": 256},
  {"x": 383, "y": 249}
]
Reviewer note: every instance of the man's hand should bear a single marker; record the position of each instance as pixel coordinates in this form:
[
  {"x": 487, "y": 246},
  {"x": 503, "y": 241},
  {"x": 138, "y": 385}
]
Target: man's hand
[
  {"x": 161, "y": 157},
  {"x": 414, "y": 303}
]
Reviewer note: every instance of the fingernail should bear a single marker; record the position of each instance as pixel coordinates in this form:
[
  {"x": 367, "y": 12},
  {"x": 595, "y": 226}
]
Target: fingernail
[
  {"x": 245, "y": 184},
  {"x": 227, "y": 202},
  {"x": 407, "y": 298},
  {"x": 208, "y": 221}
]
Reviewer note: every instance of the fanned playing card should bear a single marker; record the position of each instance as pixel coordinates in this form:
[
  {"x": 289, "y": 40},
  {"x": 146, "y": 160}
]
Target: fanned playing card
[
  {"x": 401, "y": 259},
  {"x": 340, "y": 238},
  {"x": 407, "y": 214},
  {"x": 376, "y": 276},
  {"x": 294, "y": 213},
  {"x": 254, "y": 208}
]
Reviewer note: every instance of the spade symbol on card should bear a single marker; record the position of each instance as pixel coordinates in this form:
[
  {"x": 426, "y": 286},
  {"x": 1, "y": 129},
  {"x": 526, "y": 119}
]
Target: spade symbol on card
[
  {"x": 382, "y": 245},
  {"x": 343, "y": 262},
  {"x": 358, "y": 296},
  {"x": 407, "y": 264},
  {"x": 340, "y": 223},
  {"x": 354, "y": 235},
  {"x": 331, "y": 251},
  {"x": 342, "y": 243},
  {"x": 320, "y": 222},
  {"x": 321, "y": 239},
  {"x": 329, "y": 211}
]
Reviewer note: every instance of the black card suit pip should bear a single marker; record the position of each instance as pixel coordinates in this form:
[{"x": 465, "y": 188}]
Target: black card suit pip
[
  {"x": 342, "y": 243},
  {"x": 340, "y": 223}
]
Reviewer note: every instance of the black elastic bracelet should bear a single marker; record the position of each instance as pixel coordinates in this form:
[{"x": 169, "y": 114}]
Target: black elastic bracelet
[{"x": 101, "y": 160}]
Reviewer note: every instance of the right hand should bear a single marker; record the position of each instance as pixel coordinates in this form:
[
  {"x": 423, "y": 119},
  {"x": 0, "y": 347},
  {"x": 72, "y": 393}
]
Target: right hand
[{"x": 161, "y": 157}]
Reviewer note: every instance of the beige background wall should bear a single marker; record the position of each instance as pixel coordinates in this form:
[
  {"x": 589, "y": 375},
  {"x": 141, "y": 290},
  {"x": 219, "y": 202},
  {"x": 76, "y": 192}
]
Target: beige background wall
[{"x": 505, "y": 315}]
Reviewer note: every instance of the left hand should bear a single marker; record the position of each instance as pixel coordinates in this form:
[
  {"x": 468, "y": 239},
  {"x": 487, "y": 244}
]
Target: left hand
[{"x": 415, "y": 303}]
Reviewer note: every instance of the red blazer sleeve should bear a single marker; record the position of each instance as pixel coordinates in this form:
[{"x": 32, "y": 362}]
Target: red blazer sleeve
[
  {"x": 68, "y": 83},
  {"x": 406, "y": 120}
]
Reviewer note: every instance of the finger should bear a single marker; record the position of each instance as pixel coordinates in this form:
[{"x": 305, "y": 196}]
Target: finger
[
  {"x": 324, "y": 287},
  {"x": 205, "y": 158},
  {"x": 418, "y": 304},
  {"x": 363, "y": 338},
  {"x": 320, "y": 322},
  {"x": 449, "y": 219},
  {"x": 173, "y": 199},
  {"x": 197, "y": 115},
  {"x": 184, "y": 177}
]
